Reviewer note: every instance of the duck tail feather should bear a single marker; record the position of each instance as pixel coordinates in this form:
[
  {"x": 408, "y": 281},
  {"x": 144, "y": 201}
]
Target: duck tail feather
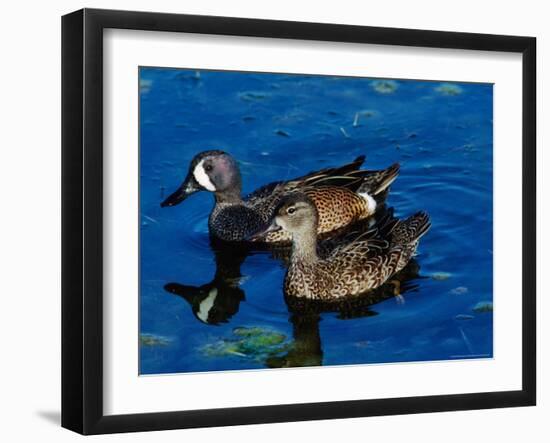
[
  {"x": 410, "y": 230},
  {"x": 375, "y": 183},
  {"x": 345, "y": 169}
]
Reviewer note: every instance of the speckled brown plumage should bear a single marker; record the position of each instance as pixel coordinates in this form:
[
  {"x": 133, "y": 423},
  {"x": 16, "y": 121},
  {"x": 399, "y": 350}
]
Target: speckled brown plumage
[
  {"x": 362, "y": 264},
  {"x": 400, "y": 283},
  {"x": 337, "y": 207}
]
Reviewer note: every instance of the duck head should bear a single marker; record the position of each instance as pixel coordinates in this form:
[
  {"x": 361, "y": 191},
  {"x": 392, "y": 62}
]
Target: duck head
[
  {"x": 214, "y": 171},
  {"x": 297, "y": 214}
]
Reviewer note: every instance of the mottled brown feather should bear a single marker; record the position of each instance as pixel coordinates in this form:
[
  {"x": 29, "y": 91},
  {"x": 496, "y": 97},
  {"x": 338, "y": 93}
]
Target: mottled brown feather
[
  {"x": 355, "y": 268},
  {"x": 337, "y": 207}
]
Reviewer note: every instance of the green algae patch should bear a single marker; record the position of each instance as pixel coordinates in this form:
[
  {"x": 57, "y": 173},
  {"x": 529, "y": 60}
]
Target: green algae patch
[
  {"x": 448, "y": 89},
  {"x": 222, "y": 348},
  {"x": 384, "y": 86},
  {"x": 241, "y": 331},
  {"x": 254, "y": 96},
  {"x": 252, "y": 343},
  {"x": 464, "y": 317},
  {"x": 145, "y": 85},
  {"x": 440, "y": 276},
  {"x": 483, "y": 306},
  {"x": 153, "y": 340}
]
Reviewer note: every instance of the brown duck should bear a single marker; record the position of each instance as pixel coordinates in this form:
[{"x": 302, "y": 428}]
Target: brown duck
[{"x": 362, "y": 264}]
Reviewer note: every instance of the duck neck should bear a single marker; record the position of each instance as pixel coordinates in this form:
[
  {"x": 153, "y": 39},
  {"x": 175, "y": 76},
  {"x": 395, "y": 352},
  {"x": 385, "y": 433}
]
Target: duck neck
[
  {"x": 304, "y": 247},
  {"x": 229, "y": 196}
]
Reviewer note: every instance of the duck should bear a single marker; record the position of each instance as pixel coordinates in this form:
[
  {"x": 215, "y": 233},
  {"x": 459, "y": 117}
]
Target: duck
[
  {"x": 357, "y": 266},
  {"x": 342, "y": 195}
]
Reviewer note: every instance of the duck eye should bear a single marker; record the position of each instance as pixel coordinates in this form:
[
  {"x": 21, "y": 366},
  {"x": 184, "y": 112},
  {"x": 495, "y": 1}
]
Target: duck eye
[
  {"x": 208, "y": 168},
  {"x": 291, "y": 210}
]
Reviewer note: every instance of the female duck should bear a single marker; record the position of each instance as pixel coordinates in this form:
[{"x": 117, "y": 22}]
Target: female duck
[
  {"x": 351, "y": 269},
  {"x": 342, "y": 196}
]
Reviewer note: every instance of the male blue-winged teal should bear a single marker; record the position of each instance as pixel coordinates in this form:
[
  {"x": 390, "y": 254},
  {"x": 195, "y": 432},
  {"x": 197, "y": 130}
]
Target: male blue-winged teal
[
  {"x": 353, "y": 268},
  {"x": 342, "y": 195}
]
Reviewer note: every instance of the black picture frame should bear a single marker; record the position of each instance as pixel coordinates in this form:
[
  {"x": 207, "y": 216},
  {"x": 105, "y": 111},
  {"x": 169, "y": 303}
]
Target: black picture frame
[{"x": 82, "y": 220}]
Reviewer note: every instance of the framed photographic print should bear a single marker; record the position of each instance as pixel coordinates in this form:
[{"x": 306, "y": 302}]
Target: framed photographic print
[{"x": 269, "y": 221}]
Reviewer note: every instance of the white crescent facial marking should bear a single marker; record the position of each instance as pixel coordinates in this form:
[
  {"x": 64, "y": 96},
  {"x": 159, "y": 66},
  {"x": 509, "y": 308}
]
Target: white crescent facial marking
[
  {"x": 202, "y": 177},
  {"x": 371, "y": 202},
  {"x": 206, "y": 305}
]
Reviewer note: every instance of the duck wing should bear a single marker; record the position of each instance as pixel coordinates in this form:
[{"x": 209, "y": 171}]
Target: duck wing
[
  {"x": 363, "y": 238},
  {"x": 338, "y": 176},
  {"x": 264, "y": 193}
]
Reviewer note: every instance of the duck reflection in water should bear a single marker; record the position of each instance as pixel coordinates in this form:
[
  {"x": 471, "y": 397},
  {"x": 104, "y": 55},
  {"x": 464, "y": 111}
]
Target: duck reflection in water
[
  {"x": 305, "y": 315},
  {"x": 217, "y": 301}
]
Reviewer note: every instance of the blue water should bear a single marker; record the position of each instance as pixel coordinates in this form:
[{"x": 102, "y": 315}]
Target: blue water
[{"x": 282, "y": 126}]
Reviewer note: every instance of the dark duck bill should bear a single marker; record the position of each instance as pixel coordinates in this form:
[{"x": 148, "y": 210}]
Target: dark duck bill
[
  {"x": 188, "y": 187},
  {"x": 262, "y": 233}
]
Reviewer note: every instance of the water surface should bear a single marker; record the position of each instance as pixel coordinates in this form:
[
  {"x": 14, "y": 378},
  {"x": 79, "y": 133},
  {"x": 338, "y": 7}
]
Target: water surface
[{"x": 283, "y": 126}]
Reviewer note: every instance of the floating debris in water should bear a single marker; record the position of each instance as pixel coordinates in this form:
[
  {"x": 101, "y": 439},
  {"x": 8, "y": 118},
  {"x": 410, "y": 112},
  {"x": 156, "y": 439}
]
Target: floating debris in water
[
  {"x": 412, "y": 135},
  {"x": 344, "y": 133},
  {"x": 483, "y": 306},
  {"x": 282, "y": 133},
  {"x": 253, "y": 96},
  {"x": 459, "y": 291},
  {"x": 466, "y": 341},
  {"x": 145, "y": 85},
  {"x": 153, "y": 340},
  {"x": 384, "y": 86},
  {"x": 252, "y": 343},
  {"x": 441, "y": 276},
  {"x": 449, "y": 89},
  {"x": 464, "y": 317},
  {"x": 151, "y": 219},
  {"x": 194, "y": 77},
  {"x": 265, "y": 154},
  {"x": 367, "y": 113},
  {"x": 248, "y": 118}
]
